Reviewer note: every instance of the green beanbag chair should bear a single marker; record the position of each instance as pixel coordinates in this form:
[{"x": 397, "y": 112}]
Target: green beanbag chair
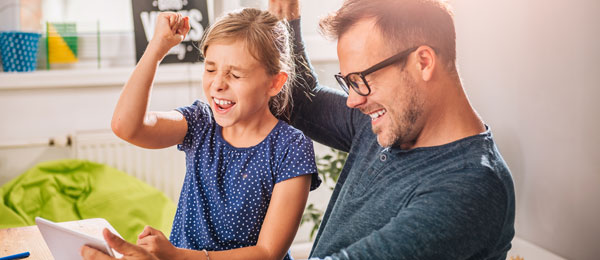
[{"x": 67, "y": 190}]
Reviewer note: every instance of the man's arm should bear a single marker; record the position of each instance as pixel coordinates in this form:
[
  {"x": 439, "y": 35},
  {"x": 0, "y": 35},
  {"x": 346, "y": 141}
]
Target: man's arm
[
  {"x": 462, "y": 216},
  {"x": 320, "y": 112}
]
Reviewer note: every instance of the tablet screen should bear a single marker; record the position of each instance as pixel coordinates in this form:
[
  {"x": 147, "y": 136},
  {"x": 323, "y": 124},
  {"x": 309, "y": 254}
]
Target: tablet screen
[{"x": 65, "y": 243}]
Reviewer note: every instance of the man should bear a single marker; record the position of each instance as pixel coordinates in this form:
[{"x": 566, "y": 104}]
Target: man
[{"x": 423, "y": 178}]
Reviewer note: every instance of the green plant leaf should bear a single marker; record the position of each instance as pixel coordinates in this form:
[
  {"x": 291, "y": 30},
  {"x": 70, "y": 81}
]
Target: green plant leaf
[{"x": 329, "y": 167}]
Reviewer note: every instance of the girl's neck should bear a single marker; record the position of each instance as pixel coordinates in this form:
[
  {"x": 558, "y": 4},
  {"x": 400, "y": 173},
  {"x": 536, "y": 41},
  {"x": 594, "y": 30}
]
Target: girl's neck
[{"x": 251, "y": 132}]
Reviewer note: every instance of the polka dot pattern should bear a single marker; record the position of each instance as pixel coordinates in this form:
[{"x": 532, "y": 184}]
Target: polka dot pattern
[
  {"x": 227, "y": 190},
  {"x": 19, "y": 50}
]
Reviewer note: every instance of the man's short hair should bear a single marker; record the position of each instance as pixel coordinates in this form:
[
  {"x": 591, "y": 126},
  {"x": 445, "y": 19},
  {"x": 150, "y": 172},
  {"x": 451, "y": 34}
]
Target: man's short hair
[{"x": 403, "y": 23}]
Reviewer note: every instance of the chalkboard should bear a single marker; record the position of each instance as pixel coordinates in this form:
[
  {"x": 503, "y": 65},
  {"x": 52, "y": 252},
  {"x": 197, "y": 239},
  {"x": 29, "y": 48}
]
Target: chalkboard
[{"x": 144, "y": 19}]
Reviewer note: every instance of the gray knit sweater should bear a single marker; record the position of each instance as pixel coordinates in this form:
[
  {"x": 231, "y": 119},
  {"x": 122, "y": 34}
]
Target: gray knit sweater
[{"x": 454, "y": 201}]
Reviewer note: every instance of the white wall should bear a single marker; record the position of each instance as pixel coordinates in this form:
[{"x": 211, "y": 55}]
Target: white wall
[
  {"x": 37, "y": 106},
  {"x": 113, "y": 15},
  {"x": 9, "y": 15},
  {"x": 531, "y": 68}
]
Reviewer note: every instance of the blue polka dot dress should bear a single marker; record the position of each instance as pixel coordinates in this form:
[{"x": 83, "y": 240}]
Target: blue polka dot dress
[{"x": 227, "y": 190}]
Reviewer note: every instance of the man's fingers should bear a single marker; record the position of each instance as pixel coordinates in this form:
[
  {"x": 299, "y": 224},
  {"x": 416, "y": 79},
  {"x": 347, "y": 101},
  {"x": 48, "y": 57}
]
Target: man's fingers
[
  {"x": 119, "y": 244},
  {"x": 92, "y": 253},
  {"x": 285, "y": 9}
]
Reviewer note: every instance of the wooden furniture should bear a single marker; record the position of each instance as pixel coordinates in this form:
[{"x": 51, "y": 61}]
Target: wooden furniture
[{"x": 22, "y": 239}]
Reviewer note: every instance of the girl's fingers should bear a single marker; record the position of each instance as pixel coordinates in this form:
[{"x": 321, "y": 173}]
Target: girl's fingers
[
  {"x": 145, "y": 232},
  {"x": 172, "y": 21},
  {"x": 119, "y": 244},
  {"x": 179, "y": 20},
  {"x": 92, "y": 253},
  {"x": 143, "y": 241},
  {"x": 184, "y": 26},
  {"x": 187, "y": 25}
]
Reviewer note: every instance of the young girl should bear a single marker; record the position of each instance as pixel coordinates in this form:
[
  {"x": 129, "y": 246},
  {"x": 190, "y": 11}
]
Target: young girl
[{"x": 248, "y": 173}]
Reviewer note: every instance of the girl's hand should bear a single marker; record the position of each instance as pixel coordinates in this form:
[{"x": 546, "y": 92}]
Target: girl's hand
[
  {"x": 170, "y": 29},
  {"x": 129, "y": 251},
  {"x": 155, "y": 242}
]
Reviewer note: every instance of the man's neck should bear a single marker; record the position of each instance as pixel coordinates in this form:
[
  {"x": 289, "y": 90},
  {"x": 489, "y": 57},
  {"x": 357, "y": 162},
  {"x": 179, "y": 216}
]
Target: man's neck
[{"x": 450, "y": 118}]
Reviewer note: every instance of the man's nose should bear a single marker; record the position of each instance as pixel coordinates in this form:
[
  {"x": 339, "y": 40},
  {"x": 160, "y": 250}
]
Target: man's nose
[{"x": 355, "y": 100}]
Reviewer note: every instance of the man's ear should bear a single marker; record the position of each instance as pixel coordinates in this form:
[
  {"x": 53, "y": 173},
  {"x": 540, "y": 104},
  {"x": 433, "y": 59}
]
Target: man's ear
[
  {"x": 426, "y": 62},
  {"x": 277, "y": 83}
]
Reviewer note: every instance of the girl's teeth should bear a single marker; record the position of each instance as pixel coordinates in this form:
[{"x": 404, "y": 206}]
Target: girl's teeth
[{"x": 222, "y": 102}]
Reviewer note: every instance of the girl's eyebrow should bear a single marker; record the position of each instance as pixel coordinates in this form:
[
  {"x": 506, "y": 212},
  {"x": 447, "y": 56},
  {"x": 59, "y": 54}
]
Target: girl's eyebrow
[
  {"x": 238, "y": 68},
  {"x": 231, "y": 67}
]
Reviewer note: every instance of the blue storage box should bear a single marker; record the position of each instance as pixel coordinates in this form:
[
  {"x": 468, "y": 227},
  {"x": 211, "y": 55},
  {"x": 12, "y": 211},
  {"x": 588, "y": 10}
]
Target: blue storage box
[{"x": 19, "y": 50}]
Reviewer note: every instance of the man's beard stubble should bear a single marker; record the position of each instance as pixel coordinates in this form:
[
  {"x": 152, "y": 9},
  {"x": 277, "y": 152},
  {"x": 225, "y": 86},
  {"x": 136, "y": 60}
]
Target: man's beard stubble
[{"x": 401, "y": 130}]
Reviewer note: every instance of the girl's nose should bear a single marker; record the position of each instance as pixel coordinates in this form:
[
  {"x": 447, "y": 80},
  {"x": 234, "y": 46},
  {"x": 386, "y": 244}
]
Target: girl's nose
[{"x": 219, "y": 83}]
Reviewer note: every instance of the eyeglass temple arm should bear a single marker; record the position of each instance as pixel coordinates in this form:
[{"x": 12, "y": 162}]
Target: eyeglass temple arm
[{"x": 389, "y": 61}]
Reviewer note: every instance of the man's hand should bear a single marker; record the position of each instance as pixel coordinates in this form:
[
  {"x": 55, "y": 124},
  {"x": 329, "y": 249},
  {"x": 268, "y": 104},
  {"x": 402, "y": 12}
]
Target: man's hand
[
  {"x": 285, "y": 9},
  {"x": 129, "y": 251},
  {"x": 155, "y": 242},
  {"x": 170, "y": 29}
]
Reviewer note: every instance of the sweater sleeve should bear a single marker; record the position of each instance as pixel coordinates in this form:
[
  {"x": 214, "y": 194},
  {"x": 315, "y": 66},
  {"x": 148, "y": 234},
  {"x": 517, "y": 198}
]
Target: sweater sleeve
[{"x": 319, "y": 111}]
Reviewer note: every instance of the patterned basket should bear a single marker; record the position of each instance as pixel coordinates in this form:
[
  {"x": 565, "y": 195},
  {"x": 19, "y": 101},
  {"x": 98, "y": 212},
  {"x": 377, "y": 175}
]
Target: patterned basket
[{"x": 19, "y": 50}]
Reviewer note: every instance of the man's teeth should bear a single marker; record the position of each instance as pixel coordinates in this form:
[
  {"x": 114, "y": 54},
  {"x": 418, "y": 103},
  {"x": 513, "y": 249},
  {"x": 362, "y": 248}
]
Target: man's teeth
[
  {"x": 223, "y": 102},
  {"x": 377, "y": 114}
]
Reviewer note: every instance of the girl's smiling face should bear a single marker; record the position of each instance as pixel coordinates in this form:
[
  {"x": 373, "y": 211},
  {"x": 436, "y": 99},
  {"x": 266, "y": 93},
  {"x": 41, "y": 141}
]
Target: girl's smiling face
[{"x": 236, "y": 85}]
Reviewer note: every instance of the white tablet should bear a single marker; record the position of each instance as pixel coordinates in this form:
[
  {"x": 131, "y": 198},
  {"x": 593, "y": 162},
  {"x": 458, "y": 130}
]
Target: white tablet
[{"x": 65, "y": 243}]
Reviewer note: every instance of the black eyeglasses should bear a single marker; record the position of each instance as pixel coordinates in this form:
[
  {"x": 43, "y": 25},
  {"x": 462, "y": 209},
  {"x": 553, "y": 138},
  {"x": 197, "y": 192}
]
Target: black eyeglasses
[{"x": 357, "y": 80}]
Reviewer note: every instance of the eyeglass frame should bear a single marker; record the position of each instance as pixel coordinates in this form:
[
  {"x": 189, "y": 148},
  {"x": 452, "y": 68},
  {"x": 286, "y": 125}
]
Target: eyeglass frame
[{"x": 389, "y": 61}]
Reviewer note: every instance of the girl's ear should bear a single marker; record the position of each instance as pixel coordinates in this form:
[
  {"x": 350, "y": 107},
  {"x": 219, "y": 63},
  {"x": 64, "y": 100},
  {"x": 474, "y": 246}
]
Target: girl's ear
[{"x": 277, "y": 83}]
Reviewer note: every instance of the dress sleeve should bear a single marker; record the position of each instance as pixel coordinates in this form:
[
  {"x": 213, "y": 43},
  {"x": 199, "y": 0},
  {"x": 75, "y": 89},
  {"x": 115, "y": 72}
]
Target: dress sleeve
[
  {"x": 299, "y": 159},
  {"x": 198, "y": 116}
]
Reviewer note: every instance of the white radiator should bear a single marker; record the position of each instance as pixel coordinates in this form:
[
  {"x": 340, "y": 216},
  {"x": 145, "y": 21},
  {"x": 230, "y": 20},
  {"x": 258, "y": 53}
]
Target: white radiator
[{"x": 161, "y": 168}]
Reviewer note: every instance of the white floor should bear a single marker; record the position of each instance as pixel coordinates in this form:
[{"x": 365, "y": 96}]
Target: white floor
[
  {"x": 530, "y": 251},
  {"x": 520, "y": 247}
]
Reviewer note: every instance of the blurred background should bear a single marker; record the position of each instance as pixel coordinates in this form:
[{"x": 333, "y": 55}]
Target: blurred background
[{"x": 530, "y": 68}]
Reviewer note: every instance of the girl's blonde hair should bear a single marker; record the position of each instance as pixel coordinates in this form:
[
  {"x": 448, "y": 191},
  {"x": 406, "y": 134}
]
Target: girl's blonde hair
[{"x": 268, "y": 41}]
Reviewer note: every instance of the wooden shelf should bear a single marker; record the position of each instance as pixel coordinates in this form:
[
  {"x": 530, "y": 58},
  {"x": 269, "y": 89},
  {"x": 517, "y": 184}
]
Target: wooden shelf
[{"x": 168, "y": 73}]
